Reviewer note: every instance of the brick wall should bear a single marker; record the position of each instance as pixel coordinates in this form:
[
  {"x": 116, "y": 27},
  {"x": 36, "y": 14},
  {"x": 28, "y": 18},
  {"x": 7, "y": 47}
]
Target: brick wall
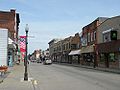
[{"x": 7, "y": 20}]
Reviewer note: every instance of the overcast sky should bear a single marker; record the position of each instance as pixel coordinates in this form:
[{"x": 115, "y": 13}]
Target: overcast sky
[{"x": 48, "y": 19}]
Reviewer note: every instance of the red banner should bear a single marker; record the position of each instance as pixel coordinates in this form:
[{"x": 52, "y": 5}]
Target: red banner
[{"x": 22, "y": 42}]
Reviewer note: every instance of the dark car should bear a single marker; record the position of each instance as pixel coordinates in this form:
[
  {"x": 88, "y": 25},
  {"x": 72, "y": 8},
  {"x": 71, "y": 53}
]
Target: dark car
[{"x": 39, "y": 61}]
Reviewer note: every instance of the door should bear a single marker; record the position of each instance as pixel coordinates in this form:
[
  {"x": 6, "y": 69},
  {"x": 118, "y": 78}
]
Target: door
[
  {"x": 119, "y": 60},
  {"x": 10, "y": 59}
]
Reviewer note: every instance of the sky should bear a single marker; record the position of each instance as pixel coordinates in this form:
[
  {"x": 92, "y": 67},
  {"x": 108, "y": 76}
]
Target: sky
[{"x": 49, "y": 19}]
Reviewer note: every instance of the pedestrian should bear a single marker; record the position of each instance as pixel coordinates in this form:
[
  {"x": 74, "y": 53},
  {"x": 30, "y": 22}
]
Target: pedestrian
[
  {"x": 18, "y": 62},
  {"x": 28, "y": 61},
  {"x": 19, "y": 59}
]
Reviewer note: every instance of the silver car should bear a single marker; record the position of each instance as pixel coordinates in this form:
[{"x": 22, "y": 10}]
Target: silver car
[{"x": 47, "y": 61}]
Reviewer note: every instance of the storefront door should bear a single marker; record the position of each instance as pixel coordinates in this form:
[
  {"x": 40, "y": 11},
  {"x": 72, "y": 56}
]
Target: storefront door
[{"x": 119, "y": 60}]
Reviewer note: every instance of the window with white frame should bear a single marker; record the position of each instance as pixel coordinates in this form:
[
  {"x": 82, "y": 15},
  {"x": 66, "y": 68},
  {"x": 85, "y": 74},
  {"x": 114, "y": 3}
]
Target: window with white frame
[
  {"x": 106, "y": 37},
  {"x": 88, "y": 37},
  {"x": 84, "y": 40},
  {"x": 91, "y": 36}
]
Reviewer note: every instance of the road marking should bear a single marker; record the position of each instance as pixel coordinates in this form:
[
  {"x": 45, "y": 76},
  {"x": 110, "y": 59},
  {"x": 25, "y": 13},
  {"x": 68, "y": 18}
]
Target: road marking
[
  {"x": 29, "y": 80},
  {"x": 34, "y": 82}
]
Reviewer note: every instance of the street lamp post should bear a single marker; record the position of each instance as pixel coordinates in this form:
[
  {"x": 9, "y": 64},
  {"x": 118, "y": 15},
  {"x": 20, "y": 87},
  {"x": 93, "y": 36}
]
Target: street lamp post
[{"x": 26, "y": 74}]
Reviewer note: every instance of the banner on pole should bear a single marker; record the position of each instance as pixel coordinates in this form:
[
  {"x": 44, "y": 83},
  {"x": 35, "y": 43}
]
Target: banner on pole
[{"x": 22, "y": 42}]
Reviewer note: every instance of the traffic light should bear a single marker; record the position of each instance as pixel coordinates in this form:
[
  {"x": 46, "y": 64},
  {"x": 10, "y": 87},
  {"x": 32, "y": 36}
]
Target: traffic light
[{"x": 113, "y": 35}]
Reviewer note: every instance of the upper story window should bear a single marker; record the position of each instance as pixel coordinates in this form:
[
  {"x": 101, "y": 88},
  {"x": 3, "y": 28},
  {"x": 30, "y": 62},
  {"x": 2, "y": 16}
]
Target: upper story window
[
  {"x": 106, "y": 37},
  {"x": 73, "y": 46},
  {"x": 84, "y": 40},
  {"x": 78, "y": 45},
  {"x": 94, "y": 35},
  {"x": 59, "y": 48},
  {"x": 91, "y": 36},
  {"x": 67, "y": 46},
  {"x": 63, "y": 47},
  {"x": 88, "y": 37}
]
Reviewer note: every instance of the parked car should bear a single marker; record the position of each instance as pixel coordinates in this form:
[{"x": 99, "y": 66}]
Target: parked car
[
  {"x": 47, "y": 61},
  {"x": 33, "y": 60},
  {"x": 39, "y": 61}
]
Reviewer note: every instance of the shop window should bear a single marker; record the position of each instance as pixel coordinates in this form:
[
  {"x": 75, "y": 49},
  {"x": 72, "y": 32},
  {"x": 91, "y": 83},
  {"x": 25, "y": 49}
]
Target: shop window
[
  {"x": 75, "y": 57},
  {"x": 111, "y": 57},
  {"x": 102, "y": 58}
]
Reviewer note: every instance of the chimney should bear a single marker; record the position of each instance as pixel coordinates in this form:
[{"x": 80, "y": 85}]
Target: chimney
[
  {"x": 13, "y": 10},
  {"x": 77, "y": 34}
]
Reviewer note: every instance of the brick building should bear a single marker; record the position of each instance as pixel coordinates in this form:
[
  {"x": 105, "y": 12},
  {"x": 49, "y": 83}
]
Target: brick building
[
  {"x": 10, "y": 20},
  {"x": 74, "y": 55},
  {"x": 66, "y": 48},
  {"x": 89, "y": 41},
  {"x": 108, "y": 47},
  {"x": 54, "y": 48}
]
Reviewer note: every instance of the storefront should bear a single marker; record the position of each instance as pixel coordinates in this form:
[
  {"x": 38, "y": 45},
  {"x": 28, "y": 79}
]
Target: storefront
[
  {"x": 59, "y": 56},
  {"x": 88, "y": 55},
  {"x": 11, "y": 52},
  {"x": 75, "y": 56},
  {"x": 109, "y": 54},
  {"x": 65, "y": 57}
]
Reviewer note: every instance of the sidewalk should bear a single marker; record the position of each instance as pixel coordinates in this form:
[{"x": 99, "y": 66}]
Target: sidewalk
[
  {"x": 90, "y": 67},
  {"x": 13, "y": 81},
  {"x": 2, "y": 77}
]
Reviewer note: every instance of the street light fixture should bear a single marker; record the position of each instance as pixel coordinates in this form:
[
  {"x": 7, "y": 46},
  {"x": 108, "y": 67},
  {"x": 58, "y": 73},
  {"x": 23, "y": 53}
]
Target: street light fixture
[{"x": 26, "y": 74}]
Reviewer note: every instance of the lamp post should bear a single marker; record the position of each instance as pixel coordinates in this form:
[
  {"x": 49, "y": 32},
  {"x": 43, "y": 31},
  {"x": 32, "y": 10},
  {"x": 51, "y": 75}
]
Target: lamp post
[{"x": 26, "y": 74}]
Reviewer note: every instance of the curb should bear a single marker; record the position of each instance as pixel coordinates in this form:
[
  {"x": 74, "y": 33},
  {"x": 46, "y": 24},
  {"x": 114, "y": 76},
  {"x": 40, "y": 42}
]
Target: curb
[{"x": 100, "y": 69}]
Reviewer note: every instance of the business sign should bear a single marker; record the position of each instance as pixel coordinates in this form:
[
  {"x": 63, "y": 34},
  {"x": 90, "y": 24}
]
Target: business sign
[{"x": 114, "y": 35}]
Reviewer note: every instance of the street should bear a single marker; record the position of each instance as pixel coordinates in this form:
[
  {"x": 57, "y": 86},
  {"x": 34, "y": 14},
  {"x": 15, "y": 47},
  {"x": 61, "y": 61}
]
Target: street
[{"x": 60, "y": 77}]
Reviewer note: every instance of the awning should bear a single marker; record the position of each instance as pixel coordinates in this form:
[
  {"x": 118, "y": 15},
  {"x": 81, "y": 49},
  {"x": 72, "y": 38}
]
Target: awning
[
  {"x": 87, "y": 49},
  {"x": 75, "y": 52},
  {"x": 11, "y": 43}
]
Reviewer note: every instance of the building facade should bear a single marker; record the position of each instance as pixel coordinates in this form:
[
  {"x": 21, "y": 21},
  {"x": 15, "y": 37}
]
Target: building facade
[
  {"x": 66, "y": 48},
  {"x": 74, "y": 55},
  {"x": 98, "y": 45},
  {"x": 108, "y": 47},
  {"x": 89, "y": 41},
  {"x": 10, "y": 20},
  {"x": 53, "y": 49}
]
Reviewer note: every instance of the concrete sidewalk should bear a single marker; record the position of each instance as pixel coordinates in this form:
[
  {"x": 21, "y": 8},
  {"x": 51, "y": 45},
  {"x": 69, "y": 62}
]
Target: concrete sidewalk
[
  {"x": 90, "y": 67},
  {"x": 14, "y": 81}
]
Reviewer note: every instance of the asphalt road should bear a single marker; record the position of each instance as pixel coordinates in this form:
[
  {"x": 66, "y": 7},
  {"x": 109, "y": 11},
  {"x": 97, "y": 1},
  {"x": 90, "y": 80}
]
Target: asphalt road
[{"x": 60, "y": 77}]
